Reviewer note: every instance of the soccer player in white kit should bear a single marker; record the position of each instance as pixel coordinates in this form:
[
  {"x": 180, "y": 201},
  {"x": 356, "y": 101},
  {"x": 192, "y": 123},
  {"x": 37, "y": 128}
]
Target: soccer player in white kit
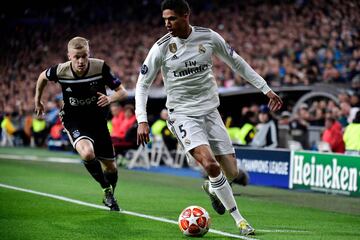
[{"x": 184, "y": 57}]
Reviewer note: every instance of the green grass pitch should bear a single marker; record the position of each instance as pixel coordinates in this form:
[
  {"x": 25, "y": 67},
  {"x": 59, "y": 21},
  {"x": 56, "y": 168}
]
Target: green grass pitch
[{"x": 275, "y": 213}]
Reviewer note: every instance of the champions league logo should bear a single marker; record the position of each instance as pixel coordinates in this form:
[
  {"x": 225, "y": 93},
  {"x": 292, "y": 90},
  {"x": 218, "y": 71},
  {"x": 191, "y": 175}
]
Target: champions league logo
[
  {"x": 144, "y": 69},
  {"x": 112, "y": 74},
  {"x": 116, "y": 81},
  {"x": 230, "y": 49}
]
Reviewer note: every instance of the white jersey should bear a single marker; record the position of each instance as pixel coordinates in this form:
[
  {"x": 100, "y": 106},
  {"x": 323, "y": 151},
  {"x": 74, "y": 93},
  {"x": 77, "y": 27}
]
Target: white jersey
[{"x": 186, "y": 67}]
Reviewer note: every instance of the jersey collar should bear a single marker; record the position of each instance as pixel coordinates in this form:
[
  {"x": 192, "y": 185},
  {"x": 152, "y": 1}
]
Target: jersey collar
[
  {"x": 86, "y": 71},
  {"x": 184, "y": 40}
]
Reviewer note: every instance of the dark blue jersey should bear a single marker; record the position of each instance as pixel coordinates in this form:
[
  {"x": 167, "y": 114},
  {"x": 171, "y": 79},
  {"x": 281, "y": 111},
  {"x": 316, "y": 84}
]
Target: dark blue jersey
[{"x": 80, "y": 93}]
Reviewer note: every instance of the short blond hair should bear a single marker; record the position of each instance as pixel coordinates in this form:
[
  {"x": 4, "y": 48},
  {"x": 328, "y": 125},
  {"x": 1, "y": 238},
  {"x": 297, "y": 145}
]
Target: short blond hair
[{"x": 78, "y": 43}]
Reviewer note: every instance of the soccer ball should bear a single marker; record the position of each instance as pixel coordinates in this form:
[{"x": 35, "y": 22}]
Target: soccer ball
[{"x": 194, "y": 221}]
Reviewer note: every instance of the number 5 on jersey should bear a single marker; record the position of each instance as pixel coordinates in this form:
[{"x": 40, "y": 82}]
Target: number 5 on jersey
[{"x": 182, "y": 131}]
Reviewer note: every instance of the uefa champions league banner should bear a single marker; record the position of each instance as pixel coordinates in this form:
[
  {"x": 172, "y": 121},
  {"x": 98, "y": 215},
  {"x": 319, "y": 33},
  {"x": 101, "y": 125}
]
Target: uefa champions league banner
[
  {"x": 302, "y": 170},
  {"x": 265, "y": 167},
  {"x": 329, "y": 173}
]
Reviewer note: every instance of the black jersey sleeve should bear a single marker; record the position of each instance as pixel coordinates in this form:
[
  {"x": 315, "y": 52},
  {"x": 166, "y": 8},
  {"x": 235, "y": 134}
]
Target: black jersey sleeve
[
  {"x": 110, "y": 79},
  {"x": 51, "y": 73}
]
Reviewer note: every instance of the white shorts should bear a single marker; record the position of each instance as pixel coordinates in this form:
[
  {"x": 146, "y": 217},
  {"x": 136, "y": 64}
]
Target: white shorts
[{"x": 201, "y": 130}]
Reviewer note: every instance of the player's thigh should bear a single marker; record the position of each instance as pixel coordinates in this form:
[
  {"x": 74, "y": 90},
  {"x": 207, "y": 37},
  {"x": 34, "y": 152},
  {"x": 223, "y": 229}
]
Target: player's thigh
[
  {"x": 77, "y": 131},
  {"x": 189, "y": 131},
  {"x": 217, "y": 135},
  {"x": 104, "y": 149}
]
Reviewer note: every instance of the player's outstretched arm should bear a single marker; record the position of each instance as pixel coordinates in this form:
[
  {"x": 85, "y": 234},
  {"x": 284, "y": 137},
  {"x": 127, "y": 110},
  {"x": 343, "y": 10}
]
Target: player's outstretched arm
[
  {"x": 40, "y": 86},
  {"x": 239, "y": 65},
  {"x": 147, "y": 75}
]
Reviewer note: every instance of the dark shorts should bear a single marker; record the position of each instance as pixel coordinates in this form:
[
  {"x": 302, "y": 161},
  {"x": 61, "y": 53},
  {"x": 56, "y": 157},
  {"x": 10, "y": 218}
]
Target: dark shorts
[{"x": 94, "y": 130}]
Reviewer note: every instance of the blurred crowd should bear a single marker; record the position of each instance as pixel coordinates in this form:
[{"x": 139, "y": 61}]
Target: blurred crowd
[
  {"x": 337, "y": 125},
  {"x": 289, "y": 43}
]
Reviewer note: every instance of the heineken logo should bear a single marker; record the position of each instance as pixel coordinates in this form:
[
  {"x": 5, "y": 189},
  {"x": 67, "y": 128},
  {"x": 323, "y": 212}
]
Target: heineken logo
[{"x": 319, "y": 173}]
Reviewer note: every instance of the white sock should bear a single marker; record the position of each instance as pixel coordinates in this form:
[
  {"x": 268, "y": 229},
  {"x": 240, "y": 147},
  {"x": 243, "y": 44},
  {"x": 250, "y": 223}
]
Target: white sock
[
  {"x": 211, "y": 190},
  {"x": 223, "y": 191}
]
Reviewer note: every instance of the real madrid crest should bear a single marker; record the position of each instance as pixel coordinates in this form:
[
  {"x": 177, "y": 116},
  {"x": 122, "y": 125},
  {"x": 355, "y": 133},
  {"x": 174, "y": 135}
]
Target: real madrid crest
[
  {"x": 173, "y": 47},
  {"x": 202, "y": 49}
]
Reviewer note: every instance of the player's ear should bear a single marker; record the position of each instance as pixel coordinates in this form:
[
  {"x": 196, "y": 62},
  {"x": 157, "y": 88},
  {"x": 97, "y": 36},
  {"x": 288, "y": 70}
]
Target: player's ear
[
  {"x": 187, "y": 16},
  {"x": 69, "y": 56}
]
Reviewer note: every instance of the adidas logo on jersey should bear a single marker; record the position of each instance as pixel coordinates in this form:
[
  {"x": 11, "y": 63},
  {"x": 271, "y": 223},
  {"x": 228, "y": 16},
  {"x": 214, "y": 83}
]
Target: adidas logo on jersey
[
  {"x": 68, "y": 89},
  {"x": 174, "y": 57}
]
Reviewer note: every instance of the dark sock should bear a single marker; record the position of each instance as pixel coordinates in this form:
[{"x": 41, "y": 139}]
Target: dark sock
[
  {"x": 111, "y": 178},
  {"x": 94, "y": 168}
]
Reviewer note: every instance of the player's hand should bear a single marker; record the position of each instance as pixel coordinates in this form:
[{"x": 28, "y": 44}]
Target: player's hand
[
  {"x": 143, "y": 133},
  {"x": 275, "y": 102},
  {"x": 39, "y": 109},
  {"x": 103, "y": 100}
]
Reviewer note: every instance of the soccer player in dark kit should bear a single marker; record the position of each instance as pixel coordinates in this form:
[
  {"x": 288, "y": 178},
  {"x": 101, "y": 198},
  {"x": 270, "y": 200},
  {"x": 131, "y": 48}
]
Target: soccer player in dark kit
[{"x": 83, "y": 80}]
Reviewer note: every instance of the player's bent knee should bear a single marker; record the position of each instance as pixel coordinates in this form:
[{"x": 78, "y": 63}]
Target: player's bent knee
[
  {"x": 85, "y": 150},
  {"x": 87, "y": 155}
]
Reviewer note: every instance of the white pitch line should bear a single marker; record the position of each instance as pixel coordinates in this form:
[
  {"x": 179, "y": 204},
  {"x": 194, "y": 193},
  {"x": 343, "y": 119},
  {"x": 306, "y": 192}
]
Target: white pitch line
[
  {"x": 160, "y": 219},
  {"x": 71, "y": 160},
  {"x": 39, "y": 159},
  {"x": 281, "y": 231}
]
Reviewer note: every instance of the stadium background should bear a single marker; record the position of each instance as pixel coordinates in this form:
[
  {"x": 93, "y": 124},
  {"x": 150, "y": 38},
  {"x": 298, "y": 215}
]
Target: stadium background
[
  {"x": 293, "y": 44},
  {"x": 299, "y": 47}
]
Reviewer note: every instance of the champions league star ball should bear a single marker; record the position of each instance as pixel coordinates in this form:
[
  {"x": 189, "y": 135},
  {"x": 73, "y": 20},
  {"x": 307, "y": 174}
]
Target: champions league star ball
[{"x": 194, "y": 221}]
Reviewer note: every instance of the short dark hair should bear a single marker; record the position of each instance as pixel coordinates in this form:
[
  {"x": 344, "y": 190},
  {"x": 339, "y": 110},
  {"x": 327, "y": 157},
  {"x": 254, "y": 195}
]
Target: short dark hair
[{"x": 178, "y": 6}]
